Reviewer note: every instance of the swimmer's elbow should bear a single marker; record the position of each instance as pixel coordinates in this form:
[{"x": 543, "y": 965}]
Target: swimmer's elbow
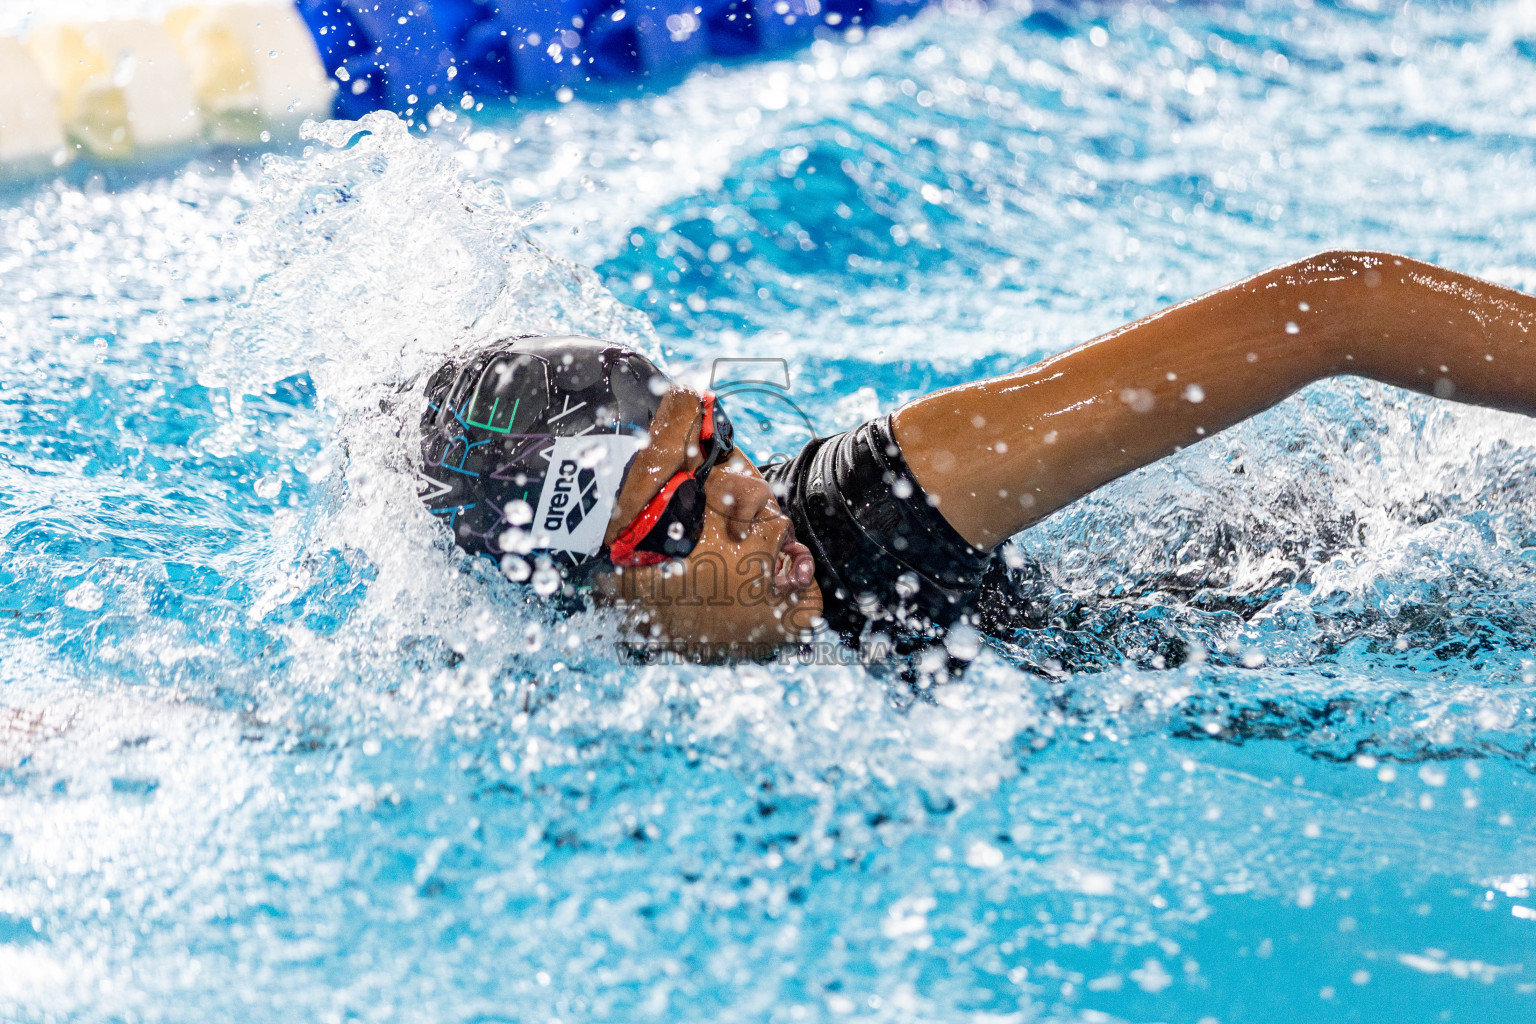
[{"x": 1332, "y": 265}]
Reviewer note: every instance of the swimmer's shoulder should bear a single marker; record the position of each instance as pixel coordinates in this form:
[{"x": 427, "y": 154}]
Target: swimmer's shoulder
[{"x": 884, "y": 553}]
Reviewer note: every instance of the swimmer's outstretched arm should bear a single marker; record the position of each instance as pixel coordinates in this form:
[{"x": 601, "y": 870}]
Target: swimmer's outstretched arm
[{"x": 1003, "y": 453}]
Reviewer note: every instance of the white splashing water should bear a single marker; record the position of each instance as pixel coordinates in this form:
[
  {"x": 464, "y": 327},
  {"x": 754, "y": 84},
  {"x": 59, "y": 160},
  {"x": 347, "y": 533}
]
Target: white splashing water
[{"x": 284, "y": 753}]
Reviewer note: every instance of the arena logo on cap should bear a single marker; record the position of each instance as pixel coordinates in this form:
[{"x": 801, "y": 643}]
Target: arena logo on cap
[{"x": 580, "y": 491}]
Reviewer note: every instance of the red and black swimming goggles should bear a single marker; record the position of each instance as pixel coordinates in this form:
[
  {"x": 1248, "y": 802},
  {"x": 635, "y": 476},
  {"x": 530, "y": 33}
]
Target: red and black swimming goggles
[{"x": 670, "y": 524}]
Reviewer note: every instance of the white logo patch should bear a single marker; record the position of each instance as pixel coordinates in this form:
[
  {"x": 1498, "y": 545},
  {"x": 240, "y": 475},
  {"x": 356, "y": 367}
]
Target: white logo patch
[{"x": 580, "y": 491}]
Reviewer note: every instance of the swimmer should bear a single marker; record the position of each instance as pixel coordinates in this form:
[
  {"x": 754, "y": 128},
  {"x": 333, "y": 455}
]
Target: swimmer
[{"x": 584, "y": 469}]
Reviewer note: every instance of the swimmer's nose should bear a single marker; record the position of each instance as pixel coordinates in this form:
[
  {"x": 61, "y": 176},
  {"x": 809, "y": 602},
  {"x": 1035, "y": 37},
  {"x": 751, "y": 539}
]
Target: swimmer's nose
[{"x": 739, "y": 496}]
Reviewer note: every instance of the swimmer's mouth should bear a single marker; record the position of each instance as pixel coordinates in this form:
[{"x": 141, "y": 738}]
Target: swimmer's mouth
[{"x": 795, "y": 569}]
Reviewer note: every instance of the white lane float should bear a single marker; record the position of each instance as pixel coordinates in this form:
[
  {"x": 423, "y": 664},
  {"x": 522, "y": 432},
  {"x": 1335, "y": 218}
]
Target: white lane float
[{"x": 117, "y": 86}]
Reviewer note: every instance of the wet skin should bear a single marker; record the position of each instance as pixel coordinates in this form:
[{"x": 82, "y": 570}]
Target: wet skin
[
  {"x": 748, "y": 581},
  {"x": 1003, "y": 453}
]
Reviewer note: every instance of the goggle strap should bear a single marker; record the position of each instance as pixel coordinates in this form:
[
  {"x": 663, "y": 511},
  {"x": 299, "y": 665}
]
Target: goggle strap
[
  {"x": 707, "y": 431},
  {"x": 622, "y": 550}
]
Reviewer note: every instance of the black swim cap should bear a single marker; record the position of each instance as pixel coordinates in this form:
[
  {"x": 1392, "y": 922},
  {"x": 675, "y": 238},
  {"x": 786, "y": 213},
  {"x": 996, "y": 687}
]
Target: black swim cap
[{"x": 525, "y": 445}]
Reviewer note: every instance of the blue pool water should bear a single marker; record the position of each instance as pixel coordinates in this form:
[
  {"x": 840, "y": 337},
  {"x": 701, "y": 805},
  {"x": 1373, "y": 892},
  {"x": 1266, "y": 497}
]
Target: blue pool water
[{"x": 270, "y": 750}]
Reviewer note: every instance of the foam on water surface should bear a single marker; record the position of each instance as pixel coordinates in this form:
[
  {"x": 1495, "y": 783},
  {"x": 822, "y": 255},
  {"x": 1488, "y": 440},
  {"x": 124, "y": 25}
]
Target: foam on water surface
[{"x": 1260, "y": 746}]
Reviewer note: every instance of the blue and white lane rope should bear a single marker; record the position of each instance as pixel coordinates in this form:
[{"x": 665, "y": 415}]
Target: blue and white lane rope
[{"x": 236, "y": 72}]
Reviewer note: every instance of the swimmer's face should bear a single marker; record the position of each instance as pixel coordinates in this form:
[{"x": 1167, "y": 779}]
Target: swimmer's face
[{"x": 747, "y": 581}]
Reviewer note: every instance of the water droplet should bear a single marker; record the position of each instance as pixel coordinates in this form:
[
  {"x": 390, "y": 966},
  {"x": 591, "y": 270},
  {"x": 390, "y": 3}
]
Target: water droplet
[
  {"x": 592, "y": 455},
  {"x": 1139, "y": 399},
  {"x": 87, "y": 597},
  {"x": 122, "y": 74},
  {"x": 982, "y": 854},
  {"x": 963, "y": 642},
  {"x": 519, "y": 512},
  {"x": 546, "y": 581}
]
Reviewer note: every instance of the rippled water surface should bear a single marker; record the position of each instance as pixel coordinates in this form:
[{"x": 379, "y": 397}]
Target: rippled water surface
[{"x": 1262, "y": 751}]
